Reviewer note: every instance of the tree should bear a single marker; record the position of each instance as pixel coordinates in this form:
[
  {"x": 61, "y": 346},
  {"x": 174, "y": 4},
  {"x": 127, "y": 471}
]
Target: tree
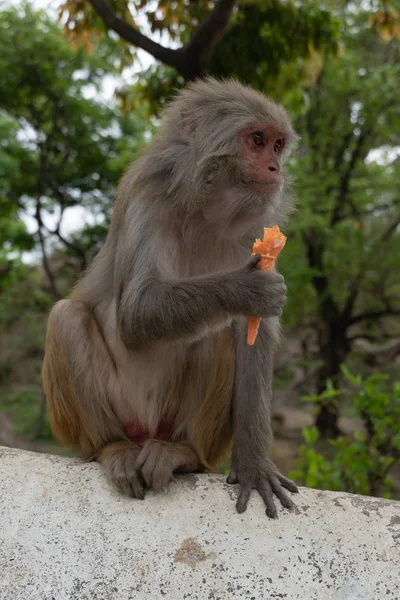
[
  {"x": 60, "y": 147},
  {"x": 251, "y": 39},
  {"x": 346, "y": 238},
  {"x": 13, "y": 233},
  {"x": 190, "y": 60}
]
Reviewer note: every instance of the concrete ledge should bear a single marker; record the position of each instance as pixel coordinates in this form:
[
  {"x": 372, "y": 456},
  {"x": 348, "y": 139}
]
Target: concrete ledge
[{"x": 66, "y": 535}]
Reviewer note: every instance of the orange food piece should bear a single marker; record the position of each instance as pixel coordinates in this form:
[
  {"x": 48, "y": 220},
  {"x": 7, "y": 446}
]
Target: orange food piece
[{"x": 269, "y": 249}]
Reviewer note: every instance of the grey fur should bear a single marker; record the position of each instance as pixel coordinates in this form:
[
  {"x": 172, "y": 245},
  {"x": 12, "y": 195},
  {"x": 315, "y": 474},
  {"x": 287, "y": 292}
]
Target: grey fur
[
  {"x": 251, "y": 467},
  {"x": 175, "y": 269}
]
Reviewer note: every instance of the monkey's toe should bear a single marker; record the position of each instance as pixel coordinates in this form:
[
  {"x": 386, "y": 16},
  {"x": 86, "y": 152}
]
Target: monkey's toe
[
  {"x": 130, "y": 484},
  {"x": 288, "y": 484},
  {"x": 156, "y": 464}
]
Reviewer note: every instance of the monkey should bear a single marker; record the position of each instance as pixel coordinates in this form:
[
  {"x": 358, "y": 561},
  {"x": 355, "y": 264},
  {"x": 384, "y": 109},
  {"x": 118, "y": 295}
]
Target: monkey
[{"x": 146, "y": 367}]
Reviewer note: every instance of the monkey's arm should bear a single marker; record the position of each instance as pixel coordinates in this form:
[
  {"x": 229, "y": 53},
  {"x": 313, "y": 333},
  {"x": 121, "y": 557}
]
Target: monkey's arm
[
  {"x": 156, "y": 309},
  {"x": 251, "y": 467}
]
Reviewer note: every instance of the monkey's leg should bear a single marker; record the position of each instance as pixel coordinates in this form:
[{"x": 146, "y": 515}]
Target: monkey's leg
[
  {"x": 251, "y": 467},
  {"x": 208, "y": 419},
  {"x": 81, "y": 386},
  {"x": 210, "y": 426},
  {"x": 158, "y": 460}
]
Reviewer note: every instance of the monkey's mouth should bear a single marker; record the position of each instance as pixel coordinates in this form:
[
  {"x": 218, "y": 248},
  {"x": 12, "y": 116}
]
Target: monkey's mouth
[
  {"x": 265, "y": 185},
  {"x": 263, "y": 191}
]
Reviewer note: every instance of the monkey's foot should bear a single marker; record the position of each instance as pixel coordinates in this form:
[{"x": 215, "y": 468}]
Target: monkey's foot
[
  {"x": 267, "y": 480},
  {"x": 119, "y": 462},
  {"x": 158, "y": 460}
]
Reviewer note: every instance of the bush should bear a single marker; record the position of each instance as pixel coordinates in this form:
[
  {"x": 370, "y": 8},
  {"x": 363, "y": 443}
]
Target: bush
[
  {"x": 360, "y": 463},
  {"x": 25, "y": 409}
]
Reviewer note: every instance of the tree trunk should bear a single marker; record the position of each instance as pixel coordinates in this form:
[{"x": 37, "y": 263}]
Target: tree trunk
[
  {"x": 334, "y": 348},
  {"x": 327, "y": 421}
]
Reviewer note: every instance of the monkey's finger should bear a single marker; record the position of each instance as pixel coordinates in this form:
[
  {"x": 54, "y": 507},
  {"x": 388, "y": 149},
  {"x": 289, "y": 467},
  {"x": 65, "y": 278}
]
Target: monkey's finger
[
  {"x": 133, "y": 482},
  {"x": 266, "y": 494},
  {"x": 143, "y": 455},
  {"x": 129, "y": 484},
  {"x": 146, "y": 462},
  {"x": 140, "y": 461},
  {"x": 147, "y": 472},
  {"x": 162, "y": 475},
  {"x": 243, "y": 499},
  {"x": 279, "y": 493},
  {"x": 288, "y": 484},
  {"x": 253, "y": 262}
]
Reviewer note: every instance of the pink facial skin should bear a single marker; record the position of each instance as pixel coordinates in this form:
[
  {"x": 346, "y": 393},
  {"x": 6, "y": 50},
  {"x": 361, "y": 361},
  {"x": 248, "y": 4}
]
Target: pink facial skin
[{"x": 263, "y": 145}]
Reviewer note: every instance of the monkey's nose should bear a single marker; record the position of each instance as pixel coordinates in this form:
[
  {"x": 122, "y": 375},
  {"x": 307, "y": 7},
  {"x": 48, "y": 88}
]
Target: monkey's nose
[{"x": 273, "y": 167}]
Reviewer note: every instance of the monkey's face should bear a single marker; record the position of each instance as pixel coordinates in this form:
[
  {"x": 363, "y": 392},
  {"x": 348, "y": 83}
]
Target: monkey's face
[
  {"x": 244, "y": 182},
  {"x": 262, "y": 145}
]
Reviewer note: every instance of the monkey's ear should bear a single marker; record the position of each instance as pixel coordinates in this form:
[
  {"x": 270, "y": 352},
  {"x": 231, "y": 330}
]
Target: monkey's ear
[{"x": 189, "y": 121}]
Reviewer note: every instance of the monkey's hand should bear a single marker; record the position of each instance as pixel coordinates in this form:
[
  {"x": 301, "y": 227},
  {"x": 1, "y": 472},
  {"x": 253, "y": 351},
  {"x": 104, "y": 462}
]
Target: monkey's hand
[
  {"x": 266, "y": 479},
  {"x": 261, "y": 293}
]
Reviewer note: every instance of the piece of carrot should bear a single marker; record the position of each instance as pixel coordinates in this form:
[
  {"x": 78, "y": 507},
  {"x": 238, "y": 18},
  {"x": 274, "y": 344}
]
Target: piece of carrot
[{"x": 269, "y": 249}]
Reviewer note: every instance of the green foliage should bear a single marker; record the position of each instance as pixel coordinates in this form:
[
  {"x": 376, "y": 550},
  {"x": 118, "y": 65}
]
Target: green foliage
[
  {"x": 23, "y": 406},
  {"x": 278, "y": 43},
  {"x": 21, "y": 290},
  {"x": 24, "y": 306},
  {"x": 13, "y": 234},
  {"x": 342, "y": 257},
  {"x": 61, "y": 146},
  {"x": 361, "y": 463},
  {"x": 329, "y": 398}
]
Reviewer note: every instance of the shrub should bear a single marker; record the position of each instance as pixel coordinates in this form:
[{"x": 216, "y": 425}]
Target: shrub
[{"x": 360, "y": 463}]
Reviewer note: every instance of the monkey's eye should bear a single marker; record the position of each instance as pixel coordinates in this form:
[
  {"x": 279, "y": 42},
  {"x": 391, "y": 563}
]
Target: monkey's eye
[
  {"x": 278, "y": 146},
  {"x": 258, "y": 138}
]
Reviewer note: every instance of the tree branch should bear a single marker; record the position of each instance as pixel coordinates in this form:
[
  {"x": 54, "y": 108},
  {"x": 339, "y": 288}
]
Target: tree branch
[
  {"x": 391, "y": 229},
  {"x": 191, "y": 60},
  {"x": 170, "y": 57},
  {"x": 351, "y": 299},
  {"x": 345, "y": 179},
  {"x": 46, "y": 264},
  {"x": 201, "y": 47},
  {"x": 375, "y": 314},
  {"x": 75, "y": 247},
  {"x": 363, "y": 336},
  {"x": 369, "y": 345}
]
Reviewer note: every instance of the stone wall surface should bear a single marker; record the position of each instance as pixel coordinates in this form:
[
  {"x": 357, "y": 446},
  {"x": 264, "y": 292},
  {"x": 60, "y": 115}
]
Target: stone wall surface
[{"x": 66, "y": 535}]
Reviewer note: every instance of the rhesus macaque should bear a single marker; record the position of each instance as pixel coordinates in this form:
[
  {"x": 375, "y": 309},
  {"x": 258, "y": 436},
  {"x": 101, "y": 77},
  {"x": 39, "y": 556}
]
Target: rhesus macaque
[{"x": 146, "y": 367}]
